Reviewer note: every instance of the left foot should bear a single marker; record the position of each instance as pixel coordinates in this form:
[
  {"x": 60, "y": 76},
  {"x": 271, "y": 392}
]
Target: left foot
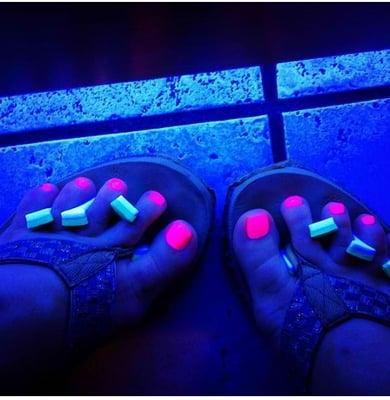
[{"x": 34, "y": 299}]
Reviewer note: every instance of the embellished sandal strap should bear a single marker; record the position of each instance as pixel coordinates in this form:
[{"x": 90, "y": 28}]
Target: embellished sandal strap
[
  {"x": 320, "y": 302},
  {"x": 90, "y": 274}
]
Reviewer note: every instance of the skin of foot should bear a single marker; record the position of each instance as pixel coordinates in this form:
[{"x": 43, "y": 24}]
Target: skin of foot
[
  {"x": 353, "y": 356},
  {"x": 33, "y": 299}
]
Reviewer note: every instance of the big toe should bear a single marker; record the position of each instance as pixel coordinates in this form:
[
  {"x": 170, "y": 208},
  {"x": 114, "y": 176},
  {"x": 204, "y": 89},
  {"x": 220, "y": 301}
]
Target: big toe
[
  {"x": 256, "y": 245},
  {"x": 142, "y": 279}
]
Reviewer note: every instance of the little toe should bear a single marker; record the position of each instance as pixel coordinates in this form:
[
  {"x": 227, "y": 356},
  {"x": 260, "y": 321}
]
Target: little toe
[
  {"x": 142, "y": 279},
  {"x": 368, "y": 229},
  {"x": 73, "y": 194},
  {"x": 256, "y": 245},
  {"x": 34, "y": 200},
  {"x": 296, "y": 212},
  {"x": 100, "y": 213},
  {"x": 340, "y": 240},
  {"x": 150, "y": 206}
]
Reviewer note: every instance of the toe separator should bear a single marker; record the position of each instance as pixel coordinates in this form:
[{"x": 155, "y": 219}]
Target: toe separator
[
  {"x": 290, "y": 261},
  {"x": 386, "y": 268},
  {"x": 39, "y": 218},
  {"x": 359, "y": 249},
  {"x": 322, "y": 228}
]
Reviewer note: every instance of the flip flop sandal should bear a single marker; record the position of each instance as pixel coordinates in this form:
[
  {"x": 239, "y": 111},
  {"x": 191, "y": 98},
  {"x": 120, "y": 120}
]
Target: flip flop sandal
[
  {"x": 321, "y": 300},
  {"x": 88, "y": 271}
]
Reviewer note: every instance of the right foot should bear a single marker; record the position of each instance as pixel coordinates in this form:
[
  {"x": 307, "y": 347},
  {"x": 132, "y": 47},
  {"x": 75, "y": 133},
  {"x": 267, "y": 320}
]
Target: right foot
[{"x": 356, "y": 344}]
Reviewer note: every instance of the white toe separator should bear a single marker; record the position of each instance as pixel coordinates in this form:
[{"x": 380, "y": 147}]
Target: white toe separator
[
  {"x": 124, "y": 209},
  {"x": 360, "y": 249},
  {"x": 39, "y": 218},
  {"x": 386, "y": 268},
  {"x": 322, "y": 228},
  {"x": 290, "y": 261},
  {"x": 76, "y": 216}
]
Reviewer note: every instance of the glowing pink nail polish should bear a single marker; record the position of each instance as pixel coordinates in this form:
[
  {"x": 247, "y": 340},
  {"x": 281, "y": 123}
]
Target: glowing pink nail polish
[
  {"x": 47, "y": 187},
  {"x": 157, "y": 198},
  {"x": 257, "y": 225},
  {"x": 293, "y": 201},
  {"x": 368, "y": 219},
  {"x": 82, "y": 183},
  {"x": 116, "y": 184},
  {"x": 178, "y": 235},
  {"x": 337, "y": 208}
]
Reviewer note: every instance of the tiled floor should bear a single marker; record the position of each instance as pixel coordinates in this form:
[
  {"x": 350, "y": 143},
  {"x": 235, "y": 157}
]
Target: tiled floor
[{"x": 332, "y": 115}]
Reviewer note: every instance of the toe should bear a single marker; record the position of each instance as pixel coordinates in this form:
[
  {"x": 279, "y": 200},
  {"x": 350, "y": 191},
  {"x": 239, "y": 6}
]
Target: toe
[
  {"x": 256, "y": 245},
  {"x": 296, "y": 212},
  {"x": 34, "y": 200},
  {"x": 341, "y": 239},
  {"x": 368, "y": 229},
  {"x": 73, "y": 194},
  {"x": 101, "y": 214},
  {"x": 150, "y": 206},
  {"x": 142, "y": 279}
]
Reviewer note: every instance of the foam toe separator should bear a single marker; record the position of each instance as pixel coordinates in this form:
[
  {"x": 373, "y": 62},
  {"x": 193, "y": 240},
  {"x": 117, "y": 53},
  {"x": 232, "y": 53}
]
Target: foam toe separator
[
  {"x": 386, "y": 268},
  {"x": 124, "y": 209},
  {"x": 360, "y": 249},
  {"x": 39, "y": 218},
  {"x": 322, "y": 228},
  {"x": 76, "y": 216}
]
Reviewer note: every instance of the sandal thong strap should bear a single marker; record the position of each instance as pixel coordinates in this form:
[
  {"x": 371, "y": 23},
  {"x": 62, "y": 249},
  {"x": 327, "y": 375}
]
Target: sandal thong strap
[
  {"x": 90, "y": 274},
  {"x": 320, "y": 302}
]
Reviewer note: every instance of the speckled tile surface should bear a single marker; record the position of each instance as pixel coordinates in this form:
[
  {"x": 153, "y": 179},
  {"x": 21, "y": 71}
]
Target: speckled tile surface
[
  {"x": 130, "y": 100},
  {"x": 333, "y": 74},
  {"x": 349, "y": 144}
]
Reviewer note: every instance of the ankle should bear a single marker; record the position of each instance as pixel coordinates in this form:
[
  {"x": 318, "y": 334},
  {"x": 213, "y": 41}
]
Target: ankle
[{"x": 352, "y": 360}]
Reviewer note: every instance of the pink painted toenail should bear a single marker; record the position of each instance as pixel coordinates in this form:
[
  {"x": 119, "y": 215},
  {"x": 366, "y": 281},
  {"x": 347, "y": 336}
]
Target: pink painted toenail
[
  {"x": 47, "y": 187},
  {"x": 257, "y": 225},
  {"x": 82, "y": 183},
  {"x": 337, "y": 208},
  {"x": 116, "y": 184},
  {"x": 157, "y": 198},
  {"x": 178, "y": 235},
  {"x": 293, "y": 201},
  {"x": 368, "y": 219}
]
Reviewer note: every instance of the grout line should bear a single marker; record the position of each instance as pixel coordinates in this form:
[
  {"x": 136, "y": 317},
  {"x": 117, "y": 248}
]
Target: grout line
[
  {"x": 275, "y": 116},
  {"x": 272, "y": 106}
]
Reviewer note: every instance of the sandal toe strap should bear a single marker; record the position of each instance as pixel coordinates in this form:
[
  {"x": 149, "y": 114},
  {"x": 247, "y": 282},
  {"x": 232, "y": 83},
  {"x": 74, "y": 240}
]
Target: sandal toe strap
[{"x": 90, "y": 274}]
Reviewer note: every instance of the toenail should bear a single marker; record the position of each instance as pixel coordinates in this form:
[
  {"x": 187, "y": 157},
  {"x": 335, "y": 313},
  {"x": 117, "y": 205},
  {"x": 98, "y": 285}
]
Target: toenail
[
  {"x": 368, "y": 219},
  {"x": 82, "y": 182},
  {"x": 257, "y": 225},
  {"x": 178, "y": 235},
  {"x": 337, "y": 208},
  {"x": 47, "y": 187},
  {"x": 157, "y": 198},
  {"x": 116, "y": 184},
  {"x": 293, "y": 201}
]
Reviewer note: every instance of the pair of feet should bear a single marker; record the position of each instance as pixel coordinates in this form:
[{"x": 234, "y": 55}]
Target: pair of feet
[{"x": 36, "y": 301}]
